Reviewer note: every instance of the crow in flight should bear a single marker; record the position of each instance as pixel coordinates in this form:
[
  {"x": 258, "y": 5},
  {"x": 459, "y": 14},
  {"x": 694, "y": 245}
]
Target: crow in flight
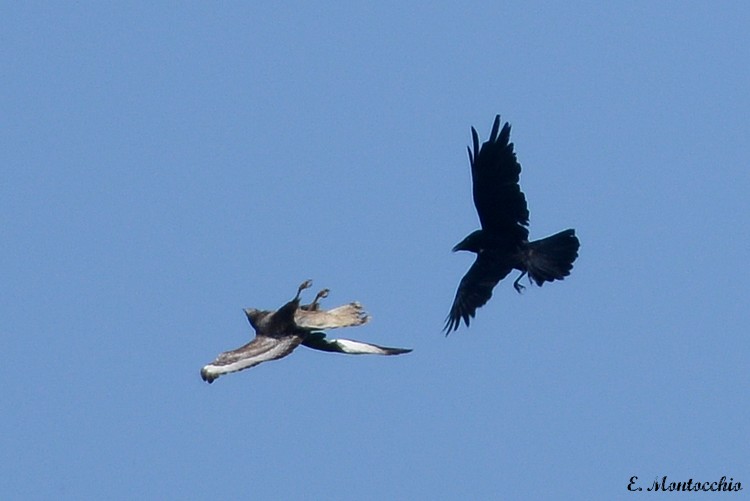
[
  {"x": 503, "y": 242},
  {"x": 278, "y": 333}
]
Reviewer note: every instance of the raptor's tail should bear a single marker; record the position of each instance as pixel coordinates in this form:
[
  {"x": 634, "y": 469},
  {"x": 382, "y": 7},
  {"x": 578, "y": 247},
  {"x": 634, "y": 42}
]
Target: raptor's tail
[{"x": 552, "y": 258}]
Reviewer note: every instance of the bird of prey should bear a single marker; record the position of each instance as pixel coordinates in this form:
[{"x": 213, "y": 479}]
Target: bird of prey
[
  {"x": 278, "y": 333},
  {"x": 502, "y": 244}
]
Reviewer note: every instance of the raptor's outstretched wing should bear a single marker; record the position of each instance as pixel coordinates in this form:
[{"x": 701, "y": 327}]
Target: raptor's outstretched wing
[
  {"x": 318, "y": 341},
  {"x": 260, "y": 349},
  {"x": 348, "y": 315}
]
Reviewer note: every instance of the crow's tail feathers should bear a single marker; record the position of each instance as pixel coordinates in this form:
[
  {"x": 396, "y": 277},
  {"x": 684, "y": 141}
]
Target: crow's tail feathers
[{"x": 552, "y": 258}]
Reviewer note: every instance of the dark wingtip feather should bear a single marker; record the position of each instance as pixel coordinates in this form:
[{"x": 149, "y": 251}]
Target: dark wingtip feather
[
  {"x": 449, "y": 327},
  {"x": 206, "y": 376},
  {"x": 475, "y": 141},
  {"x": 495, "y": 129},
  {"x": 397, "y": 351},
  {"x": 453, "y": 322},
  {"x": 505, "y": 136}
]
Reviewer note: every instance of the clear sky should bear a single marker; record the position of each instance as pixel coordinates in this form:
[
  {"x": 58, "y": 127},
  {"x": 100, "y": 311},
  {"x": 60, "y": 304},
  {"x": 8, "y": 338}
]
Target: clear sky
[{"x": 165, "y": 166}]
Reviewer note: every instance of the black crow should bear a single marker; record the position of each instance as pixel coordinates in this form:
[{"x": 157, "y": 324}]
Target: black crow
[
  {"x": 503, "y": 242},
  {"x": 278, "y": 333}
]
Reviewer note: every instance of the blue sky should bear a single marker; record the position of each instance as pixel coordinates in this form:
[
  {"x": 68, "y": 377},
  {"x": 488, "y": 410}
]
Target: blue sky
[{"x": 165, "y": 166}]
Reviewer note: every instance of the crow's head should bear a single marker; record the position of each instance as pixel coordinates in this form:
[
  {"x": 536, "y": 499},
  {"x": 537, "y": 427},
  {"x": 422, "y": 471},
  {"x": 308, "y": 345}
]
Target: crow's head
[{"x": 473, "y": 243}]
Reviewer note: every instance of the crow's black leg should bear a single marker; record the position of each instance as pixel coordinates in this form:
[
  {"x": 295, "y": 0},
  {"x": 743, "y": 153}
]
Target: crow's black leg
[{"x": 516, "y": 285}]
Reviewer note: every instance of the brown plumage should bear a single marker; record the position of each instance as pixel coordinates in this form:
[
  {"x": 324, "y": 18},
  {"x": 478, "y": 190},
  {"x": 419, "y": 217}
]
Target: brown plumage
[{"x": 278, "y": 333}]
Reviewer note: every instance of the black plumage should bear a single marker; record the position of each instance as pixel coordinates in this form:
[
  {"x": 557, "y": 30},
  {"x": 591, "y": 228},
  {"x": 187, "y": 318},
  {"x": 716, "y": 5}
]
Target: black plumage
[{"x": 502, "y": 244}]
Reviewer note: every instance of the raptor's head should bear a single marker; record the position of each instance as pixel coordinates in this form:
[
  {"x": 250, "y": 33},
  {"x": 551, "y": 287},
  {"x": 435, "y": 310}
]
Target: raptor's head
[{"x": 254, "y": 316}]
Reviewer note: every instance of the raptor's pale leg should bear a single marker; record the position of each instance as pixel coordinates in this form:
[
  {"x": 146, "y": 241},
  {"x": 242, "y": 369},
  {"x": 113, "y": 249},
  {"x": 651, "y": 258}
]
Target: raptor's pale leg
[
  {"x": 304, "y": 285},
  {"x": 321, "y": 295}
]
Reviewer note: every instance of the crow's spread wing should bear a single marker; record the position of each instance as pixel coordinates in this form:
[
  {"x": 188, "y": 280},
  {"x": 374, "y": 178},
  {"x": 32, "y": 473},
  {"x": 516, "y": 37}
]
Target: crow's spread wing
[
  {"x": 348, "y": 315},
  {"x": 318, "y": 341},
  {"x": 260, "y": 349},
  {"x": 475, "y": 289},
  {"x": 495, "y": 171}
]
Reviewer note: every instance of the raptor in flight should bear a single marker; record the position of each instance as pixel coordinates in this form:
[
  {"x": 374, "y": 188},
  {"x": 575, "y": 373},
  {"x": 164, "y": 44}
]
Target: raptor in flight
[
  {"x": 278, "y": 333},
  {"x": 502, "y": 244}
]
